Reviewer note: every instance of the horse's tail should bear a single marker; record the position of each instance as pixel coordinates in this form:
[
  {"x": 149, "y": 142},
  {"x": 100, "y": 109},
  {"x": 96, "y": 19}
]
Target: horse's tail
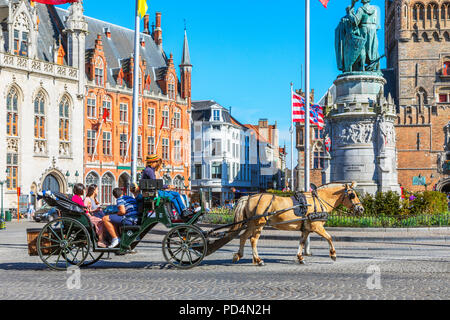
[{"x": 239, "y": 215}]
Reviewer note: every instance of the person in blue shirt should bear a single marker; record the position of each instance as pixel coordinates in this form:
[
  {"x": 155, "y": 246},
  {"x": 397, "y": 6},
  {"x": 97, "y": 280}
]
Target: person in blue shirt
[
  {"x": 127, "y": 215},
  {"x": 153, "y": 165}
]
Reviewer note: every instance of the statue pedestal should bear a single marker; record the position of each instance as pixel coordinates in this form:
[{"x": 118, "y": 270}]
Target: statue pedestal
[{"x": 361, "y": 126}]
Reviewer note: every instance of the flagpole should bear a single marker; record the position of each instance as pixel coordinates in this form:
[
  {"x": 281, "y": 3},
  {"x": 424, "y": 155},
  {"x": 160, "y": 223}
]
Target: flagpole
[
  {"x": 308, "y": 97},
  {"x": 135, "y": 97},
  {"x": 292, "y": 138}
]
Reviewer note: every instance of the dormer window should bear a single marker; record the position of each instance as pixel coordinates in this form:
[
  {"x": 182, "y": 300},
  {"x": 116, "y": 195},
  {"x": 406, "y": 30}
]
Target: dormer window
[
  {"x": 171, "y": 88},
  {"x": 446, "y": 68},
  {"x": 20, "y": 43},
  {"x": 216, "y": 115},
  {"x": 99, "y": 72}
]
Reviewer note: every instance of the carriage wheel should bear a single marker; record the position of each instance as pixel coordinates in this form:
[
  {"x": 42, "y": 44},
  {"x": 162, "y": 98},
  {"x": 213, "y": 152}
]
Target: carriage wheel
[
  {"x": 63, "y": 242},
  {"x": 184, "y": 247},
  {"x": 93, "y": 257}
]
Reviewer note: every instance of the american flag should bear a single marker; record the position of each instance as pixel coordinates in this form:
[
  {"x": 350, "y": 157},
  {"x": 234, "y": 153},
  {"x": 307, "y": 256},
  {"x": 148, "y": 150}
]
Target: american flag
[{"x": 298, "y": 111}]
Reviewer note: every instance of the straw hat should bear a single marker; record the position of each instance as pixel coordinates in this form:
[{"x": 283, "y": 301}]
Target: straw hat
[{"x": 152, "y": 158}]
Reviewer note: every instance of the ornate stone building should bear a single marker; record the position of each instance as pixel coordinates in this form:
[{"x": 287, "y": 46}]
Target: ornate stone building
[
  {"x": 417, "y": 41},
  {"x": 41, "y": 114},
  {"x": 67, "y": 82}
]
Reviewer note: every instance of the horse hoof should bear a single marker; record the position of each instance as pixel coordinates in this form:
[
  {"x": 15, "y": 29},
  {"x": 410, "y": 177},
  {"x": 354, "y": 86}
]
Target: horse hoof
[
  {"x": 261, "y": 264},
  {"x": 333, "y": 258},
  {"x": 302, "y": 262},
  {"x": 236, "y": 258},
  {"x": 308, "y": 254}
]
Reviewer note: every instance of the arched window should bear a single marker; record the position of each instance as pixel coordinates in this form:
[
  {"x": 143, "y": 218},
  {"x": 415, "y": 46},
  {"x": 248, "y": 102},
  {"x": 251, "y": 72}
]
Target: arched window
[
  {"x": 99, "y": 72},
  {"x": 64, "y": 120},
  {"x": 12, "y": 113},
  {"x": 178, "y": 183},
  {"x": 39, "y": 116},
  {"x": 107, "y": 188},
  {"x": 92, "y": 178}
]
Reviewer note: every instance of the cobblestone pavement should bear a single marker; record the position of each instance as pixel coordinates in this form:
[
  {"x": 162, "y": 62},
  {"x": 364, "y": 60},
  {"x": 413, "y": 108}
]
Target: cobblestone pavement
[{"x": 409, "y": 269}]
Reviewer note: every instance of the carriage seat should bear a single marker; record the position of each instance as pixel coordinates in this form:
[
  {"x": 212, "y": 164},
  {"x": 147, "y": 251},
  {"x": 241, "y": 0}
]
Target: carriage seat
[{"x": 150, "y": 187}]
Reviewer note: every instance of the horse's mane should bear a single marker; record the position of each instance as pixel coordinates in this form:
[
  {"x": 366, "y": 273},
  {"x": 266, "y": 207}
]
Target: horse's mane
[{"x": 331, "y": 185}]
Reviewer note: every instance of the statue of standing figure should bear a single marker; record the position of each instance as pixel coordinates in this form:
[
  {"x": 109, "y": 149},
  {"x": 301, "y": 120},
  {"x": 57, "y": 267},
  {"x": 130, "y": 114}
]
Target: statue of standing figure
[{"x": 356, "y": 39}]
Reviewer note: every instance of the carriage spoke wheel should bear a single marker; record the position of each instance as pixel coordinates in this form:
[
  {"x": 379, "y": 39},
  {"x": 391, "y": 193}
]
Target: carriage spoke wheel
[
  {"x": 184, "y": 247},
  {"x": 62, "y": 243}
]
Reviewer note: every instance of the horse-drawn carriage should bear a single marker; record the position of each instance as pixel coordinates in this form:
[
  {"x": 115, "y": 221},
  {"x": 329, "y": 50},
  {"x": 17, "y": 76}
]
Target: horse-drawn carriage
[{"x": 71, "y": 240}]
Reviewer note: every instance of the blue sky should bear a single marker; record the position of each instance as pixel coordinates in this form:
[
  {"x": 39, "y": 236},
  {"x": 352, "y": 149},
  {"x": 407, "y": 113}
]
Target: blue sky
[{"x": 245, "y": 53}]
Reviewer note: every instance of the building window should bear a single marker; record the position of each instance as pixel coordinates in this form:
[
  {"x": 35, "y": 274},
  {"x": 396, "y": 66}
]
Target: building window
[
  {"x": 99, "y": 72},
  {"x": 151, "y": 117},
  {"x": 12, "y": 115},
  {"x": 165, "y": 149},
  {"x": 39, "y": 117},
  {"x": 177, "y": 120},
  {"x": 123, "y": 113},
  {"x": 12, "y": 167},
  {"x": 139, "y": 146},
  {"x": 198, "y": 171},
  {"x": 91, "y": 179},
  {"x": 107, "y": 108},
  {"x": 20, "y": 42},
  {"x": 91, "y": 107},
  {"x": 151, "y": 145},
  {"x": 418, "y": 141},
  {"x": 171, "y": 88},
  {"x": 216, "y": 147},
  {"x": 443, "y": 98},
  {"x": 107, "y": 188},
  {"x": 123, "y": 145},
  {"x": 165, "y": 117},
  {"x": 106, "y": 143},
  {"x": 318, "y": 159},
  {"x": 140, "y": 115},
  {"x": 64, "y": 122},
  {"x": 216, "y": 170},
  {"x": 216, "y": 115},
  {"x": 91, "y": 142},
  {"x": 177, "y": 150}
]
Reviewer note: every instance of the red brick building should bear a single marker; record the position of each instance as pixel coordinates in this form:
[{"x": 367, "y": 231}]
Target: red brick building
[{"x": 164, "y": 106}]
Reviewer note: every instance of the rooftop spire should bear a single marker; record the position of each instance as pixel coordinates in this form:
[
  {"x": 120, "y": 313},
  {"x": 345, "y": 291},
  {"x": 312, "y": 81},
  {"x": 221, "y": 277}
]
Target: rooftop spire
[{"x": 186, "y": 60}]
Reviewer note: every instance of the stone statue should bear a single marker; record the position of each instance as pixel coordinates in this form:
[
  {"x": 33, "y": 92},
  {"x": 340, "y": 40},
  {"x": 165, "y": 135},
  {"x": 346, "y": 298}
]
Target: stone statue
[{"x": 356, "y": 40}]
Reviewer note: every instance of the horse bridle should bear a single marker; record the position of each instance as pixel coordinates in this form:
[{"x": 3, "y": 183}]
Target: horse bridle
[{"x": 351, "y": 196}]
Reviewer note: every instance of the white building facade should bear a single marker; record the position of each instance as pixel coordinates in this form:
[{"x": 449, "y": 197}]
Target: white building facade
[
  {"x": 41, "y": 114},
  {"x": 224, "y": 154}
]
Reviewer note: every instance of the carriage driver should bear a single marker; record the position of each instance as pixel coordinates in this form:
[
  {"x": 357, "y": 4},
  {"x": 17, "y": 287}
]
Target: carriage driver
[{"x": 153, "y": 164}]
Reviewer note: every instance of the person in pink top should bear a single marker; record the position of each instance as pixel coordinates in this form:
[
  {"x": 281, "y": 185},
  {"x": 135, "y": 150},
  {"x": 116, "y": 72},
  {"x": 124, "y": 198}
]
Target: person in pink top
[{"x": 78, "y": 193}]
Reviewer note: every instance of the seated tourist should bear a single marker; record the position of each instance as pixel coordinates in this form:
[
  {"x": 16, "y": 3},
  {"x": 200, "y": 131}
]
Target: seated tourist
[
  {"x": 127, "y": 215},
  {"x": 134, "y": 189},
  {"x": 78, "y": 193}
]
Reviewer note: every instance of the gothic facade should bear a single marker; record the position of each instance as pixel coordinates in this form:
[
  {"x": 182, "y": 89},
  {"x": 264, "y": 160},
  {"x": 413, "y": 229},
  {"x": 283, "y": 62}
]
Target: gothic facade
[
  {"x": 417, "y": 41},
  {"x": 41, "y": 114}
]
